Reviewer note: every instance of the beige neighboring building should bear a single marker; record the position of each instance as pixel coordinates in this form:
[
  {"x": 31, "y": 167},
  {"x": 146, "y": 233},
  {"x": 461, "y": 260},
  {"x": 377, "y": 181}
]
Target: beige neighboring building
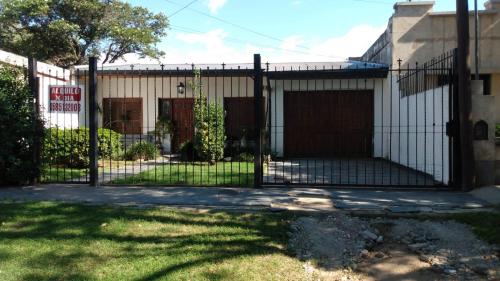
[{"x": 416, "y": 33}]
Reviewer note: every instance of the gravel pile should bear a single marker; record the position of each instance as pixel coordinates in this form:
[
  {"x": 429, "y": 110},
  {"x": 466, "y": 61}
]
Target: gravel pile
[
  {"x": 339, "y": 244},
  {"x": 449, "y": 247},
  {"x": 334, "y": 241}
]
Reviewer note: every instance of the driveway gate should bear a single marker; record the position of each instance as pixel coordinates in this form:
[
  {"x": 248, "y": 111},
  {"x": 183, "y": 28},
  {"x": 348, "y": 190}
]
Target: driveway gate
[{"x": 357, "y": 124}]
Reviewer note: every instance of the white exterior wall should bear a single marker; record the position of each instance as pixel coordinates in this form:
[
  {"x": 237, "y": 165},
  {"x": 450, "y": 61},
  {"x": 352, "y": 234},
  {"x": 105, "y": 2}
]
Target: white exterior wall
[
  {"x": 151, "y": 88},
  {"x": 50, "y": 75},
  {"x": 417, "y": 136}
]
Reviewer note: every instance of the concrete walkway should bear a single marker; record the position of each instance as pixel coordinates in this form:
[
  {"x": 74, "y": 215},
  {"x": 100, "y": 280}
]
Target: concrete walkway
[
  {"x": 308, "y": 199},
  {"x": 345, "y": 172}
]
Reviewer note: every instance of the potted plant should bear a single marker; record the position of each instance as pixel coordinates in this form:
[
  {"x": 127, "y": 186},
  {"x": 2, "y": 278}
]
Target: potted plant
[{"x": 163, "y": 134}]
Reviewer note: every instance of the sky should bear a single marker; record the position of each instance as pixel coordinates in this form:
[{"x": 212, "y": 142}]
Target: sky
[{"x": 231, "y": 31}]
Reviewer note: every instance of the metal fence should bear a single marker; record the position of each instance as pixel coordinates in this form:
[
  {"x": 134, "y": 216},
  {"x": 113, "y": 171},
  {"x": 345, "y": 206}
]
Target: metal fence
[
  {"x": 62, "y": 102},
  {"x": 331, "y": 124}
]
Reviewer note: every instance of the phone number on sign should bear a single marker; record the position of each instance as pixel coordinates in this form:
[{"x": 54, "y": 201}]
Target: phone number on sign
[{"x": 65, "y": 107}]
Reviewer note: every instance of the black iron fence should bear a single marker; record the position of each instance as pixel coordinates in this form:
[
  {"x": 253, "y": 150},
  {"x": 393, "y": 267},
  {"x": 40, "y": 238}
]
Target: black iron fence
[{"x": 329, "y": 124}]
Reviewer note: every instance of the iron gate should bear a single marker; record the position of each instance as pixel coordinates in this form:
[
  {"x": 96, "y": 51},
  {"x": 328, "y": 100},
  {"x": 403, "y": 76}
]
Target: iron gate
[
  {"x": 333, "y": 124},
  {"x": 355, "y": 124}
]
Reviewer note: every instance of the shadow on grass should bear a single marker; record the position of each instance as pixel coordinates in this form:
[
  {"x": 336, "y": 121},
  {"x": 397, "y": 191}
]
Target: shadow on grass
[{"x": 47, "y": 241}]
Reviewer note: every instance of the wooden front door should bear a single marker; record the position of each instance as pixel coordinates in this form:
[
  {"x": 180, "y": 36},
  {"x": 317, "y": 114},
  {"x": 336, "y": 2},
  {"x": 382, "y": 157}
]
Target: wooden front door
[
  {"x": 181, "y": 114},
  {"x": 328, "y": 124}
]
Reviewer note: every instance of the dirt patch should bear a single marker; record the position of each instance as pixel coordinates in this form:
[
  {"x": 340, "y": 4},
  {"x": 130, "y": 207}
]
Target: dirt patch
[
  {"x": 448, "y": 246},
  {"x": 312, "y": 238},
  {"x": 341, "y": 247}
]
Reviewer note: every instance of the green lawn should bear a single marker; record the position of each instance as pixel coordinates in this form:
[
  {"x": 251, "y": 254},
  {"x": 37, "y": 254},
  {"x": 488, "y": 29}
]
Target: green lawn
[
  {"x": 60, "y": 174},
  {"x": 486, "y": 225},
  {"x": 54, "y": 241},
  {"x": 200, "y": 174}
]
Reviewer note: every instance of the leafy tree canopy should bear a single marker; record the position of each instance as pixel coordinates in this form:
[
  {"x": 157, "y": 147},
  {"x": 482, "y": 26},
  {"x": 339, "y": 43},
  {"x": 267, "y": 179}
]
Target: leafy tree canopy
[{"x": 66, "y": 32}]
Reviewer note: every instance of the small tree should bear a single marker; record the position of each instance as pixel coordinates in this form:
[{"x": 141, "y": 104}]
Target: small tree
[
  {"x": 19, "y": 129},
  {"x": 209, "y": 128}
]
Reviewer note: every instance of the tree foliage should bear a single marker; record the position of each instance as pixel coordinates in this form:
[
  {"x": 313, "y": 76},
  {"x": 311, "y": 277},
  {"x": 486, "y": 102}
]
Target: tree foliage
[
  {"x": 19, "y": 128},
  {"x": 66, "y": 32}
]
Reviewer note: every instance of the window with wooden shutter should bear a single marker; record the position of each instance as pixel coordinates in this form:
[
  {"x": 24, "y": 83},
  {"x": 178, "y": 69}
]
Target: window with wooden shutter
[
  {"x": 240, "y": 120},
  {"x": 123, "y": 115}
]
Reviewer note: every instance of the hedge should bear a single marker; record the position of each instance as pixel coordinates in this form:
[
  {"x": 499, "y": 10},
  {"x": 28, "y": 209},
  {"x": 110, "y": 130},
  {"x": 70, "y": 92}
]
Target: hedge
[
  {"x": 70, "y": 147},
  {"x": 19, "y": 129}
]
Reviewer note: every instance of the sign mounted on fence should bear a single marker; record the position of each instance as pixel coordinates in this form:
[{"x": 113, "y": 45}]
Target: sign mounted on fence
[{"x": 65, "y": 99}]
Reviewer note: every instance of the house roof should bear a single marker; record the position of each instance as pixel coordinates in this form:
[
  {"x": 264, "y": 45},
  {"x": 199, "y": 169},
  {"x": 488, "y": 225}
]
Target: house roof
[
  {"x": 302, "y": 70},
  {"x": 272, "y": 66}
]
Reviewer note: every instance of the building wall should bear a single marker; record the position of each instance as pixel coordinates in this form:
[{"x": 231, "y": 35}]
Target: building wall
[
  {"x": 495, "y": 90},
  {"x": 49, "y": 75},
  {"x": 381, "y": 50},
  {"x": 152, "y": 88},
  {"x": 416, "y": 33},
  {"x": 417, "y": 137}
]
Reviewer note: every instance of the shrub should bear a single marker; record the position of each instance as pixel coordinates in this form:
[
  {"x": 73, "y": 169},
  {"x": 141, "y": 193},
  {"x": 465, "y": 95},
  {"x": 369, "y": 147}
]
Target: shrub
[
  {"x": 19, "y": 129},
  {"x": 188, "y": 152},
  {"x": 109, "y": 143},
  {"x": 67, "y": 147},
  {"x": 70, "y": 147},
  {"x": 245, "y": 157},
  {"x": 497, "y": 131},
  {"x": 210, "y": 135},
  {"x": 141, "y": 150}
]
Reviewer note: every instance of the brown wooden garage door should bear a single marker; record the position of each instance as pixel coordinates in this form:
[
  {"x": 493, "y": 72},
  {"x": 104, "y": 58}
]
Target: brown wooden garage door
[{"x": 328, "y": 124}]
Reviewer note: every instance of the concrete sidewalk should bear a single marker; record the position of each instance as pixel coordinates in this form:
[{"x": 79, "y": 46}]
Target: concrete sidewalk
[{"x": 308, "y": 199}]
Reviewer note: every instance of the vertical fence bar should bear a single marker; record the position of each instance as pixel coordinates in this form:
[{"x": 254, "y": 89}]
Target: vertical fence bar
[
  {"x": 94, "y": 177},
  {"x": 452, "y": 126},
  {"x": 34, "y": 82},
  {"x": 258, "y": 122}
]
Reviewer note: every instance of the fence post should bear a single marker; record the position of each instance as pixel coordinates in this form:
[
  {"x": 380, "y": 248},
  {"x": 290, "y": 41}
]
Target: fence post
[
  {"x": 464, "y": 97},
  {"x": 257, "y": 89},
  {"x": 94, "y": 173},
  {"x": 34, "y": 85},
  {"x": 455, "y": 125}
]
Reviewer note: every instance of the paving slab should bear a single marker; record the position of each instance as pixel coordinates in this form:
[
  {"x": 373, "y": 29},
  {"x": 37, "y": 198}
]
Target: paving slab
[
  {"x": 491, "y": 194},
  {"x": 314, "y": 199}
]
